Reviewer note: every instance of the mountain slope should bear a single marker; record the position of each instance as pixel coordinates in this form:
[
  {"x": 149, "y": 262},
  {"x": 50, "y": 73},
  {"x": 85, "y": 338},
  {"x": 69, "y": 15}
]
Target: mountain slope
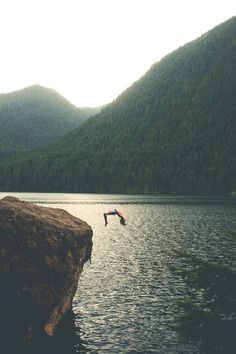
[
  {"x": 35, "y": 116},
  {"x": 173, "y": 131}
]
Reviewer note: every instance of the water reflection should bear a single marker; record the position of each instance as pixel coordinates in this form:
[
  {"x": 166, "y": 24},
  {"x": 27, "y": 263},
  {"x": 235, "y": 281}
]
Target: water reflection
[
  {"x": 207, "y": 312},
  {"x": 126, "y": 298},
  {"x": 67, "y": 340},
  {"x": 121, "y": 199}
]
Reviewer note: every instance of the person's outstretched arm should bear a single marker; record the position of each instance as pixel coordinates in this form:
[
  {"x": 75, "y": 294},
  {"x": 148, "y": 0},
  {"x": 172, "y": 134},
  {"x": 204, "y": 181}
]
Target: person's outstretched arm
[{"x": 122, "y": 219}]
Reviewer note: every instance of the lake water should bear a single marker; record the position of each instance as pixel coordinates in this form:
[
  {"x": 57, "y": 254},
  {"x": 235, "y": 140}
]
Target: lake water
[{"x": 125, "y": 302}]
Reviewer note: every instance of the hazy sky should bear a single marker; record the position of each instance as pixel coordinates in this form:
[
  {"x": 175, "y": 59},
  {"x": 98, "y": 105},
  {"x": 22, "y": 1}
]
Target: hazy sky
[{"x": 92, "y": 50}]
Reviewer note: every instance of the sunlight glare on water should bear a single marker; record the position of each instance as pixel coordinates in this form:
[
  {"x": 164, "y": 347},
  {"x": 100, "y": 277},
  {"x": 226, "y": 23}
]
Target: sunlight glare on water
[{"x": 125, "y": 302}]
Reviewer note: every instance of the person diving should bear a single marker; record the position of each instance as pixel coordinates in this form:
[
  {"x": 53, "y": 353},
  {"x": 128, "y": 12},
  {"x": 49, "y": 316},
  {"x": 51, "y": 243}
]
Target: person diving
[{"x": 115, "y": 212}]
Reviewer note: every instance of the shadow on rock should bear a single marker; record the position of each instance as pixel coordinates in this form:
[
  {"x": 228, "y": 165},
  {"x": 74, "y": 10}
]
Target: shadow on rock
[{"x": 42, "y": 254}]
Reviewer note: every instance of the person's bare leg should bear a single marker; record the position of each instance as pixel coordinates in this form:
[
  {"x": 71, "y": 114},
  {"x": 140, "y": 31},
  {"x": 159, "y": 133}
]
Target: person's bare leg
[{"x": 105, "y": 218}]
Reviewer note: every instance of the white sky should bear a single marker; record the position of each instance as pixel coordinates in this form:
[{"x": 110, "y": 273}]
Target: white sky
[{"x": 92, "y": 50}]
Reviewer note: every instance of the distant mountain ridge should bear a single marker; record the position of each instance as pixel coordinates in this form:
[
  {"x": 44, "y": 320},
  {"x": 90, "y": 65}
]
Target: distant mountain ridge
[
  {"x": 35, "y": 116},
  {"x": 172, "y": 132}
]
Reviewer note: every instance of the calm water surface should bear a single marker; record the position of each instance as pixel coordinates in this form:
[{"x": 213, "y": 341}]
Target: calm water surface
[{"x": 126, "y": 298}]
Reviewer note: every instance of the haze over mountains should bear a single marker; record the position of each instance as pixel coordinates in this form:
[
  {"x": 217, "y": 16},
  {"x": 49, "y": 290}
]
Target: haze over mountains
[
  {"x": 35, "y": 116},
  {"x": 173, "y": 131}
]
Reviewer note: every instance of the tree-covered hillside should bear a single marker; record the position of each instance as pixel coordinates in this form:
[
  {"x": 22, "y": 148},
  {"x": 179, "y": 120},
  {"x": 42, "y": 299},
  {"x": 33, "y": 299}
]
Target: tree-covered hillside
[
  {"x": 33, "y": 117},
  {"x": 173, "y": 131}
]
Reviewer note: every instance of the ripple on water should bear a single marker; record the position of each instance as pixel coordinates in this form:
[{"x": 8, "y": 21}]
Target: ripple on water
[
  {"x": 125, "y": 301},
  {"x": 127, "y": 296}
]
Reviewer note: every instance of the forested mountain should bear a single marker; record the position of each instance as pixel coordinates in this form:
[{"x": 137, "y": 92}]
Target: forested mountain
[
  {"x": 35, "y": 116},
  {"x": 173, "y": 131}
]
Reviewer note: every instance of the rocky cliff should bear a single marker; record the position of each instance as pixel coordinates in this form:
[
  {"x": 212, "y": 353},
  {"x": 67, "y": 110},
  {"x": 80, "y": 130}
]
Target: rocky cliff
[{"x": 42, "y": 253}]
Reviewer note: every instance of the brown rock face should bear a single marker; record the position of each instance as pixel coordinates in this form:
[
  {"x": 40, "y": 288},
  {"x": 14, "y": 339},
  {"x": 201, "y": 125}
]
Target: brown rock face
[{"x": 42, "y": 253}]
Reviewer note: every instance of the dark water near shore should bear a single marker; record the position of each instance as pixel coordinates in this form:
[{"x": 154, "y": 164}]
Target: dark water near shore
[{"x": 126, "y": 298}]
